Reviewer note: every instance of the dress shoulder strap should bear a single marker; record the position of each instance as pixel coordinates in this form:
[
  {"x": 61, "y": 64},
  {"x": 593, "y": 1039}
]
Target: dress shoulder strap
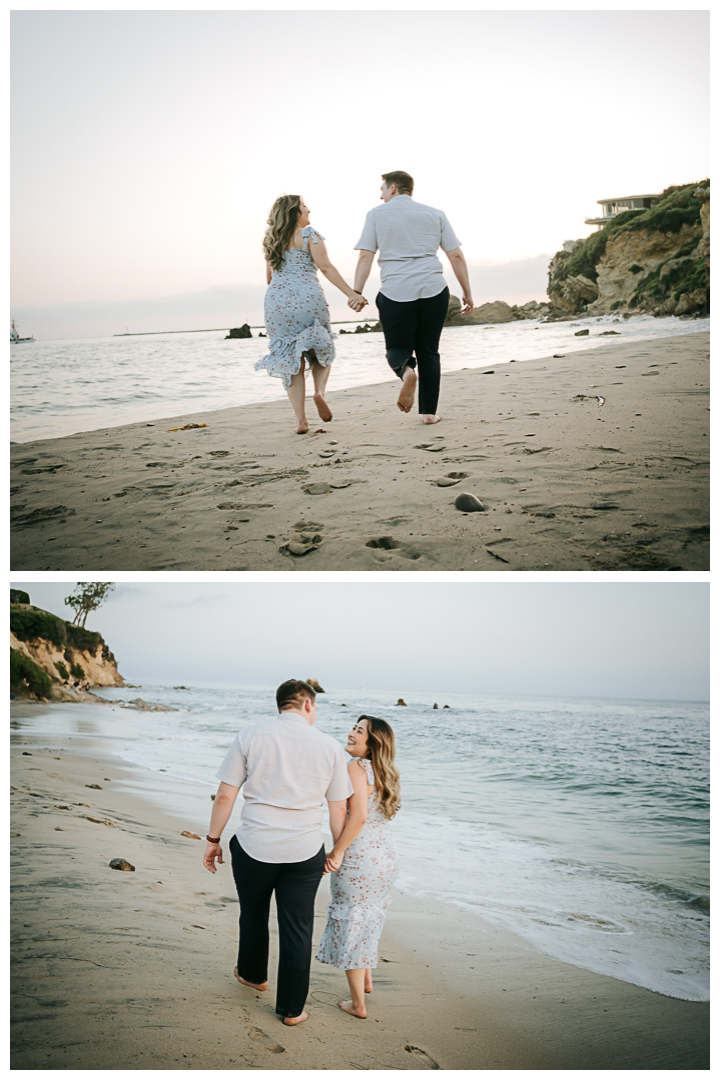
[
  {"x": 367, "y": 765},
  {"x": 314, "y": 235}
]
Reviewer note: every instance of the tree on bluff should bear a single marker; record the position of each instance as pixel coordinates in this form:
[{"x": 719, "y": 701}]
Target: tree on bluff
[{"x": 87, "y": 597}]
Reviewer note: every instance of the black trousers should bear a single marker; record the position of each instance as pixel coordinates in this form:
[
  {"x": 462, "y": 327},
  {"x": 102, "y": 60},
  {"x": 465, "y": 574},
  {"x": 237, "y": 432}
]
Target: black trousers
[
  {"x": 415, "y": 327},
  {"x": 295, "y": 886}
]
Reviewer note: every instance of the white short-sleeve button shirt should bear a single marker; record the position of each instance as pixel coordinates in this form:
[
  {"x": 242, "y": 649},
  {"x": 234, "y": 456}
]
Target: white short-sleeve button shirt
[
  {"x": 408, "y": 234},
  {"x": 286, "y": 768}
]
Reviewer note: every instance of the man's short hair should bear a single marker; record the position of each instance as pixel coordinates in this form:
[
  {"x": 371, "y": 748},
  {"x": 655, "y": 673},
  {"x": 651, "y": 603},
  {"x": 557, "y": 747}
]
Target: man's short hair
[
  {"x": 293, "y": 692},
  {"x": 403, "y": 181}
]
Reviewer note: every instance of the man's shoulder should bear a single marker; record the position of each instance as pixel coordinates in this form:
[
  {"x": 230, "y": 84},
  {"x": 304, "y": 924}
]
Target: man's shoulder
[
  {"x": 324, "y": 739},
  {"x": 264, "y": 727},
  {"x": 431, "y": 209},
  {"x": 404, "y": 208}
]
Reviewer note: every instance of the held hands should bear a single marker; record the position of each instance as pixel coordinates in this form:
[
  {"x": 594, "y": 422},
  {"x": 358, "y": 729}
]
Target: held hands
[
  {"x": 467, "y": 305},
  {"x": 212, "y": 852},
  {"x": 357, "y": 303},
  {"x": 333, "y": 861}
]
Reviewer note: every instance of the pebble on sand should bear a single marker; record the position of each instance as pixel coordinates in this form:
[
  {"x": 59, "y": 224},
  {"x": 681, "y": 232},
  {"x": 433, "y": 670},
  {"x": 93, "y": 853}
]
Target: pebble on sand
[
  {"x": 120, "y": 864},
  {"x": 468, "y": 503}
]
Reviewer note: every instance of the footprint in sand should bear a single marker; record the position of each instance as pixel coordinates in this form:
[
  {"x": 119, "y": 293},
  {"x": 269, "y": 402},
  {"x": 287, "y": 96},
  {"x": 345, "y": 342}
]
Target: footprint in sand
[
  {"x": 389, "y": 543},
  {"x": 426, "y": 1060},
  {"x": 267, "y": 1041}
]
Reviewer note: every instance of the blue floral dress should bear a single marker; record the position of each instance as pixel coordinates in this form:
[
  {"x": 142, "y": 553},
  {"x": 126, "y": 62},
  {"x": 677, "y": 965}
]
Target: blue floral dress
[
  {"x": 296, "y": 314},
  {"x": 361, "y": 892}
]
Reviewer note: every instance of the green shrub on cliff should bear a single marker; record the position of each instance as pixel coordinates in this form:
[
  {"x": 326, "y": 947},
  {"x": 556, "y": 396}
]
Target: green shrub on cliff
[
  {"x": 25, "y": 675},
  {"x": 33, "y": 624},
  {"x": 687, "y": 248},
  {"x": 62, "y": 670},
  {"x": 685, "y": 277},
  {"x": 17, "y": 596},
  {"x": 676, "y": 207},
  {"x": 77, "y": 671}
]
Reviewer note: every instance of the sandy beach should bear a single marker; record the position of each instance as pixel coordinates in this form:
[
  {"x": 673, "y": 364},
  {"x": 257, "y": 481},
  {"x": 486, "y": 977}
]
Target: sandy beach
[
  {"x": 133, "y": 970},
  {"x": 597, "y": 460}
]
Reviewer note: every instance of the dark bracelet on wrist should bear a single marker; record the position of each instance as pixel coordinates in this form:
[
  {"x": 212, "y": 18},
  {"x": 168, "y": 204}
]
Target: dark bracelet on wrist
[{"x": 213, "y": 839}]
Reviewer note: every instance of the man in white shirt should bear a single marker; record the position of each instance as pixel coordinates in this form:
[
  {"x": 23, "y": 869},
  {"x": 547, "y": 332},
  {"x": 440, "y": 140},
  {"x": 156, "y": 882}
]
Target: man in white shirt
[
  {"x": 413, "y": 298},
  {"x": 286, "y": 768}
]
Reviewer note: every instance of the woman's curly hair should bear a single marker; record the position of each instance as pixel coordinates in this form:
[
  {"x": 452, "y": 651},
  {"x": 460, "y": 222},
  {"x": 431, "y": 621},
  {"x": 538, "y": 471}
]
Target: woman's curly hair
[
  {"x": 381, "y": 751},
  {"x": 281, "y": 226}
]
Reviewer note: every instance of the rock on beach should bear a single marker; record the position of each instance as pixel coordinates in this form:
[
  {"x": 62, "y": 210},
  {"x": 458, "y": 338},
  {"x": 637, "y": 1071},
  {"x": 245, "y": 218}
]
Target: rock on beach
[{"x": 468, "y": 503}]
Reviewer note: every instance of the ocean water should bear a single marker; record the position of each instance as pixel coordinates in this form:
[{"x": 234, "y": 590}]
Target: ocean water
[
  {"x": 579, "y": 824},
  {"x": 64, "y": 386}
]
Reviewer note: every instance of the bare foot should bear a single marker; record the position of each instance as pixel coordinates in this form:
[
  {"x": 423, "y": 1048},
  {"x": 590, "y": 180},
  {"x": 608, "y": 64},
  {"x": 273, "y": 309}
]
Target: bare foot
[
  {"x": 406, "y": 397},
  {"x": 292, "y": 1020},
  {"x": 368, "y": 983},
  {"x": 254, "y": 986},
  {"x": 348, "y": 1007},
  {"x": 322, "y": 407},
  {"x": 302, "y": 428},
  {"x": 431, "y": 418}
]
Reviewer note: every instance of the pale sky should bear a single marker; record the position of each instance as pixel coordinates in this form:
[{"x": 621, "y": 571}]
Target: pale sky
[
  {"x": 605, "y": 639},
  {"x": 149, "y": 146}
]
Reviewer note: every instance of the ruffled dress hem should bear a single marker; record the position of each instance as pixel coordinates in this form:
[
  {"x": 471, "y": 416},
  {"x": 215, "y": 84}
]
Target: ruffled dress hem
[
  {"x": 358, "y": 929},
  {"x": 283, "y": 360}
]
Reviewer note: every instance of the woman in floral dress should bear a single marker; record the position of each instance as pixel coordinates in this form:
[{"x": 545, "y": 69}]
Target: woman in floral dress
[
  {"x": 363, "y": 861},
  {"x": 297, "y": 319}
]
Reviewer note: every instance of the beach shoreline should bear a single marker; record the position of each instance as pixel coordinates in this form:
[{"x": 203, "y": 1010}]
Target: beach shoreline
[
  {"x": 139, "y": 974},
  {"x": 601, "y": 457}
]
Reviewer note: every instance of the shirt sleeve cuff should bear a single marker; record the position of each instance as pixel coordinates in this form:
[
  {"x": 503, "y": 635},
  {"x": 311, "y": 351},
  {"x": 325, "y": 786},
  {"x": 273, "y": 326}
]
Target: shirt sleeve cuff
[{"x": 232, "y": 780}]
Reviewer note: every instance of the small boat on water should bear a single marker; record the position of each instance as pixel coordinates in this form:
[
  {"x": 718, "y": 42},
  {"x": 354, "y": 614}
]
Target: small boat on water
[{"x": 15, "y": 336}]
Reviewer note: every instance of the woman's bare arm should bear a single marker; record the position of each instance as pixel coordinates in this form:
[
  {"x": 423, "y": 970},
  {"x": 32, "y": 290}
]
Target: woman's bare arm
[
  {"x": 337, "y": 811},
  {"x": 322, "y": 261},
  {"x": 268, "y": 273},
  {"x": 356, "y": 818}
]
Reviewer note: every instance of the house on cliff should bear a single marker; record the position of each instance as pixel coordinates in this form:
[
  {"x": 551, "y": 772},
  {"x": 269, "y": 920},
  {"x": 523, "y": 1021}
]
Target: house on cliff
[
  {"x": 612, "y": 207},
  {"x": 639, "y": 261}
]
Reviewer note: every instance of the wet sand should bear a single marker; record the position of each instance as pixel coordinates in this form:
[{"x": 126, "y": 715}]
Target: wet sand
[
  {"x": 598, "y": 460},
  {"x": 133, "y": 970}
]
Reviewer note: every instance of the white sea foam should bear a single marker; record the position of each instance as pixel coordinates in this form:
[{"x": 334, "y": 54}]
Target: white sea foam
[{"x": 583, "y": 914}]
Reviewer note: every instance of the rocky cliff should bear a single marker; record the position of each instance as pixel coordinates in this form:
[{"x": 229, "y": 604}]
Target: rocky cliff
[
  {"x": 52, "y": 658},
  {"x": 655, "y": 262}
]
